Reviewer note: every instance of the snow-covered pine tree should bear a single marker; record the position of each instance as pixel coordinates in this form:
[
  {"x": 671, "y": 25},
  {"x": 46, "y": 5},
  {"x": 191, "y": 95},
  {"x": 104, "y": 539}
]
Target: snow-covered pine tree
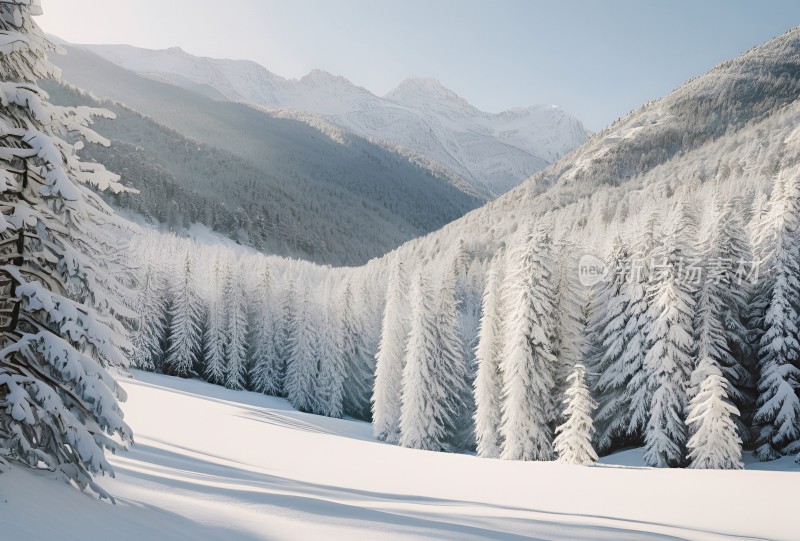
[
  {"x": 423, "y": 417},
  {"x": 151, "y": 309},
  {"x": 236, "y": 330},
  {"x": 569, "y": 325},
  {"x": 777, "y": 416},
  {"x": 715, "y": 442},
  {"x": 215, "y": 339},
  {"x": 358, "y": 385},
  {"x": 617, "y": 354},
  {"x": 330, "y": 360},
  {"x": 451, "y": 384},
  {"x": 301, "y": 369},
  {"x": 59, "y": 406},
  {"x": 528, "y": 364},
  {"x": 184, "y": 336},
  {"x": 283, "y": 336},
  {"x": 265, "y": 372},
  {"x": 573, "y": 442},
  {"x": 668, "y": 362},
  {"x": 386, "y": 397},
  {"x": 721, "y": 304},
  {"x": 639, "y": 394},
  {"x": 488, "y": 385}
]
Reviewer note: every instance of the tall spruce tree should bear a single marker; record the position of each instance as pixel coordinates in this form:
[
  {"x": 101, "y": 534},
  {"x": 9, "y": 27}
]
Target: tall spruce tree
[
  {"x": 236, "y": 331},
  {"x": 777, "y": 416},
  {"x": 265, "y": 372},
  {"x": 59, "y": 280},
  {"x": 488, "y": 385},
  {"x": 386, "y": 397},
  {"x": 185, "y": 332},
  {"x": 529, "y": 365},
  {"x": 214, "y": 338}
]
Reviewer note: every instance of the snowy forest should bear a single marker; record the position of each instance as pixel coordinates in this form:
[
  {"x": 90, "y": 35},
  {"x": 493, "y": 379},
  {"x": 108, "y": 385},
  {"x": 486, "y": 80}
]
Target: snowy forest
[
  {"x": 484, "y": 337},
  {"x": 686, "y": 347}
]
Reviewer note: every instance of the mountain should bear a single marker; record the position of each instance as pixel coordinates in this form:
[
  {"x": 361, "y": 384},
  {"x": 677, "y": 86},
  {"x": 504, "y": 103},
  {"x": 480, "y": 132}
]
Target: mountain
[
  {"x": 733, "y": 129},
  {"x": 493, "y": 152},
  {"x": 287, "y": 186}
]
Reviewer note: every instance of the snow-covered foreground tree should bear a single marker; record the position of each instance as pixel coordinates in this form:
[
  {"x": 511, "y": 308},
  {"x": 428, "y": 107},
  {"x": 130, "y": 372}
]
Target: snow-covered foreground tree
[
  {"x": 573, "y": 443},
  {"x": 59, "y": 278},
  {"x": 712, "y": 417}
]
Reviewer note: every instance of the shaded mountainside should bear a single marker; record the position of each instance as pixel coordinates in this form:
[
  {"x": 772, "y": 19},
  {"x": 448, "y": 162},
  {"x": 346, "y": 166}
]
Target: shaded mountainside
[
  {"x": 275, "y": 183},
  {"x": 493, "y": 152}
]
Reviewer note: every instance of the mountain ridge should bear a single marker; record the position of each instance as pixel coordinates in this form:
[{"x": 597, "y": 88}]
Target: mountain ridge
[{"x": 492, "y": 151}]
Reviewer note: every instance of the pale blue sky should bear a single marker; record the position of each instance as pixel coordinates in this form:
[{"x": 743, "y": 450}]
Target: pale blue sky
[{"x": 597, "y": 59}]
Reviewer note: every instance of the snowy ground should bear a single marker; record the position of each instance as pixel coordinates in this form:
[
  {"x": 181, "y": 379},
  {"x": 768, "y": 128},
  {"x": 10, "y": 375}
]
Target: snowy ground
[{"x": 211, "y": 464}]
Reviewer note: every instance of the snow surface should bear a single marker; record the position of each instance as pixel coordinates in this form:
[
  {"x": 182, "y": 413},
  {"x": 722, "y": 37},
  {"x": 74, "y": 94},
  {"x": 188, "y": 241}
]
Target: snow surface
[
  {"x": 494, "y": 152},
  {"x": 214, "y": 464}
]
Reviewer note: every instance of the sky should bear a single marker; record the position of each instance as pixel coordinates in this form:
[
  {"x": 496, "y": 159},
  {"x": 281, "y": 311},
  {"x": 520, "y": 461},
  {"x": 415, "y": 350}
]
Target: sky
[{"x": 596, "y": 59}]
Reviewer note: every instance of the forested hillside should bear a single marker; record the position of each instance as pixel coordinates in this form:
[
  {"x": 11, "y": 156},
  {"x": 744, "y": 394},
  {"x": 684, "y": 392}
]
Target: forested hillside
[{"x": 274, "y": 183}]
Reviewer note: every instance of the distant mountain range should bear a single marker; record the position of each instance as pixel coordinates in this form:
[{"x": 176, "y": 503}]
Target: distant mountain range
[
  {"x": 276, "y": 181},
  {"x": 492, "y": 152}
]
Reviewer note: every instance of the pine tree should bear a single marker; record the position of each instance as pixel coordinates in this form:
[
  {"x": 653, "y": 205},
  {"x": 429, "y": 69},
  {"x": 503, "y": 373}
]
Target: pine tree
[
  {"x": 616, "y": 344},
  {"x": 451, "y": 384},
  {"x": 151, "y": 315},
  {"x": 215, "y": 339},
  {"x": 302, "y": 369},
  {"x": 720, "y": 334},
  {"x": 529, "y": 364},
  {"x": 569, "y": 327},
  {"x": 236, "y": 331},
  {"x": 778, "y": 406},
  {"x": 431, "y": 376},
  {"x": 488, "y": 385},
  {"x": 283, "y": 338},
  {"x": 184, "y": 323},
  {"x": 573, "y": 442},
  {"x": 386, "y": 397},
  {"x": 670, "y": 349},
  {"x": 358, "y": 385},
  {"x": 330, "y": 360},
  {"x": 60, "y": 280},
  {"x": 265, "y": 373},
  {"x": 715, "y": 443}
]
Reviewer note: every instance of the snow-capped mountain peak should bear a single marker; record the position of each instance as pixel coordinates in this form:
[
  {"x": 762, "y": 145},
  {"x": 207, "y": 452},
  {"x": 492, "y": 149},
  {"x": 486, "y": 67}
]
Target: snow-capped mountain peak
[
  {"x": 493, "y": 152},
  {"x": 424, "y": 87}
]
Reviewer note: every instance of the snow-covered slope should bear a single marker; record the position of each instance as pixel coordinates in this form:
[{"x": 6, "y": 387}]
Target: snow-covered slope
[
  {"x": 494, "y": 152},
  {"x": 214, "y": 464}
]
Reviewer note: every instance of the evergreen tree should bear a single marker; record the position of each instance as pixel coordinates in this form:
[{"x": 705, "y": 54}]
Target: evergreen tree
[
  {"x": 302, "y": 370},
  {"x": 358, "y": 385},
  {"x": 265, "y": 373},
  {"x": 616, "y": 341},
  {"x": 386, "y": 397},
  {"x": 184, "y": 323},
  {"x": 488, "y": 385},
  {"x": 236, "y": 332},
  {"x": 573, "y": 442},
  {"x": 452, "y": 383},
  {"x": 60, "y": 277},
  {"x": 330, "y": 360},
  {"x": 432, "y": 377},
  {"x": 151, "y": 320},
  {"x": 215, "y": 339},
  {"x": 670, "y": 350},
  {"x": 529, "y": 364},
  {"x": 715, "y": 443},
  {"x": 778, "y": 407}
]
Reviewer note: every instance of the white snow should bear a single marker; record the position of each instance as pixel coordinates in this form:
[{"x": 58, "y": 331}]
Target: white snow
[{"x": 214, "y": 464}]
